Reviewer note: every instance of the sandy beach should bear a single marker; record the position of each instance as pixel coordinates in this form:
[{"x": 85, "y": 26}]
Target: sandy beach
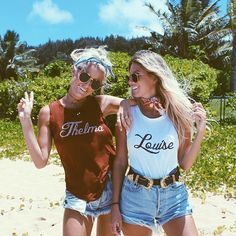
[{"x": 31, "y": 203}]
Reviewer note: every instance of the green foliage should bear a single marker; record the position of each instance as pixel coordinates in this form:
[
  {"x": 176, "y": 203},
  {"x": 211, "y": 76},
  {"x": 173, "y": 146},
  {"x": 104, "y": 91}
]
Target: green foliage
[
  {"x": 45, "y": 89},
  {"x": 15, "y": 58},
  {"x": 10, "y": 93},
  {"x": 231, "y": 105},
  {"x": 55, "y": 68},
  {"x": 118, "y": 86},
  {"x": 194, "y": 29},
  {"x": 11, "y": 140},
  {"x": 215, "y": 169},
  {"x": 199, "y": 78},
  {"x": 12, "y": 143}
]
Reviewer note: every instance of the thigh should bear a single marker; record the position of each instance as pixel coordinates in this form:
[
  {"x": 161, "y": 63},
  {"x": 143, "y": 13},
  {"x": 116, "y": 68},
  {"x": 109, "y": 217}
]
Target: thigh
[
  {"x": 182, "y": 226},
  {"x": 104, "y": 225},
  {"x": 138, "y": 205},
  {"x": 76, "y": 224},
  {"x": 137, "y": 230}
]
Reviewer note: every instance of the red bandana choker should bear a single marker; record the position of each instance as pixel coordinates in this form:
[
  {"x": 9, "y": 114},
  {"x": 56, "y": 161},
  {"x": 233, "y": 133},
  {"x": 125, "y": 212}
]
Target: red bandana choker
[{"x": 154, "y": 103}]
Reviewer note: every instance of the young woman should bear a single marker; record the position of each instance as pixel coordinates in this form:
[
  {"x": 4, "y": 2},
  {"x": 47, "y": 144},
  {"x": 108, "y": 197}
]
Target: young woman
[
  {"x": 157, "y": 144},
  {"x": 82, "y": 139}
]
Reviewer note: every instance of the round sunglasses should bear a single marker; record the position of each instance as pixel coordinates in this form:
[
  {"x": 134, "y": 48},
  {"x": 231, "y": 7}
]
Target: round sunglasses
[
  {"x": 95, "y": 84},
  {"x": 133, "y": 77}
]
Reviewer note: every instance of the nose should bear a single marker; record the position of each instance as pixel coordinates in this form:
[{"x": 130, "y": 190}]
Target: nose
[
  {"x": 87, "y": 84},
  {"x": 131, "y": 82}
]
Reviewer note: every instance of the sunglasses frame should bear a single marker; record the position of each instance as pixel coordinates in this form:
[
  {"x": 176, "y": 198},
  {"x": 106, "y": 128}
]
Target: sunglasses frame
[
  {"x": 132, "y": 78},
  {"x": 95, "y": 84}
]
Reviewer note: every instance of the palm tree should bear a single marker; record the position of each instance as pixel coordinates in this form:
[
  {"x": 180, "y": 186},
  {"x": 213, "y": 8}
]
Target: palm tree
[
  {"x": 15, "y": 57},
  {"x": 193, "y": 29},
  {"x": 8, "y": 44}
]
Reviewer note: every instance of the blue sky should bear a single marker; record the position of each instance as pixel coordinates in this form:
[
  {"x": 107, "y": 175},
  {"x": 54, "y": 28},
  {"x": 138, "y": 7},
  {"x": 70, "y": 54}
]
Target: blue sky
[{"x": 37, "y": 21}]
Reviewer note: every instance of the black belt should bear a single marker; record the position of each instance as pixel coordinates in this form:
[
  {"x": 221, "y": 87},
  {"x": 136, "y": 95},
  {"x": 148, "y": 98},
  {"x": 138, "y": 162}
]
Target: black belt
[{"x": 148, "y": 183}]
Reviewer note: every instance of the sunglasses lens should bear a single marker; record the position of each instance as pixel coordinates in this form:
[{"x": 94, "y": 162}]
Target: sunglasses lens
[
  {"x": 134, "y": 78},
  {"x": 84, "y": 77},
  {"x": 96, "y": 84}
]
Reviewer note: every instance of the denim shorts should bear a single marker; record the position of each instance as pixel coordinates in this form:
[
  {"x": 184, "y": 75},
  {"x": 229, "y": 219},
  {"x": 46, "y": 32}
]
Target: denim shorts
[
  {"x": 101, "y": 206},
  {"x": 155, "y": 206}
]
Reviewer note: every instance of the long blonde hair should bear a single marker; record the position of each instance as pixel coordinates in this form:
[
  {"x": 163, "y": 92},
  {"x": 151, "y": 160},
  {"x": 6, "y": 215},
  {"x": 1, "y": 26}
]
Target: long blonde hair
[{"x": 174, "y": 99}]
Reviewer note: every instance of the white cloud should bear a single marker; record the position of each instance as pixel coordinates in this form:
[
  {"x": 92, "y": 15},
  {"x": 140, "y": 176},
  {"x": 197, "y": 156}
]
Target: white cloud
[
  {"x": 50, "y": 12},
  {"x": 129, "y": 15}
]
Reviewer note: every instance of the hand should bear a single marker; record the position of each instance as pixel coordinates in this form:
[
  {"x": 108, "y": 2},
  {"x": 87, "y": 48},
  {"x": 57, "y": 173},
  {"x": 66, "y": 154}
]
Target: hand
[
  {"x": 25, "y": 105},
  {"x": 116, "y": 221},
  {"x": 124, "y": 117},
  {"x": 199, "y": 115}
]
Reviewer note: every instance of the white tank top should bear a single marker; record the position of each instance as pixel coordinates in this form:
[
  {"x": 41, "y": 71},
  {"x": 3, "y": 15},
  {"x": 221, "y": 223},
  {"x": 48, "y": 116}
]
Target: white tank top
[{"x": 152, "y": 145}]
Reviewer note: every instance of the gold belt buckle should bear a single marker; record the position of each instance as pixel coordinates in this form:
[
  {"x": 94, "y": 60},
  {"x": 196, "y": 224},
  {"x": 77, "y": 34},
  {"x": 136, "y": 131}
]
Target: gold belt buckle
[
  {"x": 150, "y": 183},
  {"x": 130, "y": 177},
  {"x": 163, "y": 183}
]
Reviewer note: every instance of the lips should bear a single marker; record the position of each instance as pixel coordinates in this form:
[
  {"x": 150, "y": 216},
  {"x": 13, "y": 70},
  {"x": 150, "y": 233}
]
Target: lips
[
  {"x": 134, "y": 88},
  {"x": 80, "y": 90},
  {"x": 83, "y": 90}
]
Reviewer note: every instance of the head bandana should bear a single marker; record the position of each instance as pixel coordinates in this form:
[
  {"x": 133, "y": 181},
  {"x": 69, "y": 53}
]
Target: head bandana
[{"x": 107, "y": 67}]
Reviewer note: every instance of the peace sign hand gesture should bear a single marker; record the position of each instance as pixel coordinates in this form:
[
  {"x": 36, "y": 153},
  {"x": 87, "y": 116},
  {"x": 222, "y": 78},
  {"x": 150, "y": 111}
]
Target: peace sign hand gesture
[{"x": 25, "y": 105}]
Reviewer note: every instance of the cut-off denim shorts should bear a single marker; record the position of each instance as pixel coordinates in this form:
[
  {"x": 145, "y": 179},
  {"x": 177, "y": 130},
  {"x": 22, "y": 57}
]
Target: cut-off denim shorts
[
  {"x": 155, "y": 206},
  {"x": 101, "y": 206}
]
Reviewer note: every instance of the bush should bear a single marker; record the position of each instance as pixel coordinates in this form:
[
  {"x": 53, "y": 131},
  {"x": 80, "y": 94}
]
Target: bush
[
  {"x": 118, "y": 86},
  {"x": 56, "y": 68},
  {"x": 215, "y": 168},
  {"x": 10, "y": 93},
  {"x": 200, "y": 79},
  {"x": 45, "y": 90}
]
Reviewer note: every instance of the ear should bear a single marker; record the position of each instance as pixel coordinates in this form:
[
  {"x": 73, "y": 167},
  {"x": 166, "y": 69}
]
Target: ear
[{"x": 155, "y": 79}]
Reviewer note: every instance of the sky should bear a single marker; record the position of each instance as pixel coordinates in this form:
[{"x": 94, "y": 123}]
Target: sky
[{"x": 37, "y": 21}]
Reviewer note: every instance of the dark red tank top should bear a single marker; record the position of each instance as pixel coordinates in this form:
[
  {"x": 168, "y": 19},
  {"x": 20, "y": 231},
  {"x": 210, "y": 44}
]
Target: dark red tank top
[{"x": 84, "y": 144}]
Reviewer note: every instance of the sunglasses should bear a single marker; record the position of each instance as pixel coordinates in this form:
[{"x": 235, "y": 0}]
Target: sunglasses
[
  {"x": 95, "y": 84},
  {"x": 133, "y": 77}
]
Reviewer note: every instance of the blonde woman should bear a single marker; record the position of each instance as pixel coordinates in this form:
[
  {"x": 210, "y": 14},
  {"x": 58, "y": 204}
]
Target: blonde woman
[
  {"x": 82, "y": 139},
  {"x": 157, "y": 144}
]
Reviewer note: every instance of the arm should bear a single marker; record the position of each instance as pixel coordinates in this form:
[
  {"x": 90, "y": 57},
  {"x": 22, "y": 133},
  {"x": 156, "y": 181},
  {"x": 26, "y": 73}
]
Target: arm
[
  {"x": 119, "y": 168},
  {"x": 39, "y": 150},
  {"x": 113, "y": 105},
  {"x": 109, "y": 104},
  {"x": 188, "y": 151}
]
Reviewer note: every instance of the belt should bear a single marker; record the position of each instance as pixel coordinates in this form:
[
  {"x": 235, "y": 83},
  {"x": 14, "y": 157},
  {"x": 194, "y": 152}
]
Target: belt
[{"x": 148, "y": 183}]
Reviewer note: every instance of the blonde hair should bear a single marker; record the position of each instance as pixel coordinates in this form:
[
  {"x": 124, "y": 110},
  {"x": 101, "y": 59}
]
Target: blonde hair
[
  {"x": 98, "y": 56},
  {"x": 174, "y": 99}
]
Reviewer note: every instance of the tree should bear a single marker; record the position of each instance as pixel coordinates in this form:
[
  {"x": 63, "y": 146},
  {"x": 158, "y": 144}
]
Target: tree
[
  {"x": 7, "y": 45},
  {"x": 193, "y": 29},
  {"x": 15, "y": 57},
  {"x": 232, "y": 17}
]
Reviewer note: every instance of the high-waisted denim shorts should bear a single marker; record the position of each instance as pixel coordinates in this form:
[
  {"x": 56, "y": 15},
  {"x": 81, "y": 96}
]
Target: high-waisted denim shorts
[
  {"x": 155, "y": 206},
  {"x": 95, "y": 208}
]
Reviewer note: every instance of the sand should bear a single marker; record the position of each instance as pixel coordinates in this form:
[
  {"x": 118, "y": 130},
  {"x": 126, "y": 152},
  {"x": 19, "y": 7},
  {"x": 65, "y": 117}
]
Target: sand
[{"x": 31, "y": 203}]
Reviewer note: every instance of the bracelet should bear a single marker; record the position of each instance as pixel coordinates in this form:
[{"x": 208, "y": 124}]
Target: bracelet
[{"x": 113, "y": 203}]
